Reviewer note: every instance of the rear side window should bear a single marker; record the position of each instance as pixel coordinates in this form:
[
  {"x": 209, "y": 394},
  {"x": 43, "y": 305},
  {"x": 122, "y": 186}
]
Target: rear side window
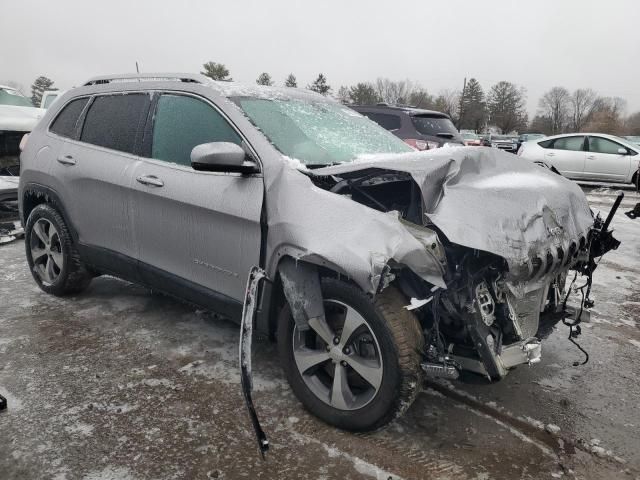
[
  {"x": 386, "y": 121},
  {"x": 434, "y": 125},
  {"x": 113, "y": 121},
  {"x": 181, "y": 123},
  {"x": 569, "y": 143},
  {"x": 67, "y": 120},
  {"x": 603, "y": 145}
]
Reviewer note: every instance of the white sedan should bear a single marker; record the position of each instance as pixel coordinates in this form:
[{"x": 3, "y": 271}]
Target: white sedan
[{"x": 587, "y": 156}]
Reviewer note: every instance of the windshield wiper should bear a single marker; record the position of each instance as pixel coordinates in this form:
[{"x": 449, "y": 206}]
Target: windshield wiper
[{"x": 444, "y": 135}]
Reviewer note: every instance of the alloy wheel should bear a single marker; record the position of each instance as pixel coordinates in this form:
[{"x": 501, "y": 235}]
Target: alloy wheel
[
  {"x": 339, "y": 358},
  {"x": 46, "y": 251}
]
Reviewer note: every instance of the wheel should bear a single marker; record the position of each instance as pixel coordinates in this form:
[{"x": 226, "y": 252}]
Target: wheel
[
  {"x": 52, "y": 256},
  {"x": 360, "y": 368}
]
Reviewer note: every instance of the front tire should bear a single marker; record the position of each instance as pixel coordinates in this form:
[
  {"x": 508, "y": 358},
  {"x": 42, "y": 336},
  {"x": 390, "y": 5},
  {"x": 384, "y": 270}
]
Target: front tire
[
  {"x": 360, "y": 368},
  {"x": 52, "y": 256}
]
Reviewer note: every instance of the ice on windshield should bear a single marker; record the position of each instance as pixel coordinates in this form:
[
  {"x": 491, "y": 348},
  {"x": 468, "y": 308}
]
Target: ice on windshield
[
  {"x": 13, "y": 97},
  {"x": 318, "y": 132}
]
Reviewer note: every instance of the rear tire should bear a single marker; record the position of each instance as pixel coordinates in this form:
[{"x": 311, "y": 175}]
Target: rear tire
[
  {"x": 389, "y": 337},
  {"x": 52, "y": 256}
]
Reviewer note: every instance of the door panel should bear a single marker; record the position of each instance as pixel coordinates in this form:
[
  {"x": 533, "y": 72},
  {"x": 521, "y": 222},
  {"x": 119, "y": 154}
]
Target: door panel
[
  {"x": 200, "y": 226},
  {"x": 97, "y": 195},
  {"x": 603, "y": 162},
  {"x": 567, "y": 156}
]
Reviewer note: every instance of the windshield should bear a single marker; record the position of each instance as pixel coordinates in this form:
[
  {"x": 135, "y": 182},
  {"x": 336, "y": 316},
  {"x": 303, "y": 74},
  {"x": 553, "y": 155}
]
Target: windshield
[
  {"x": 470, "y": 136},
  {"x": 318, "y": 133},
  {"x": 434, "y": 125},
  {"x": 9, "y": 96},
  {"x": 500, "y": 137}
]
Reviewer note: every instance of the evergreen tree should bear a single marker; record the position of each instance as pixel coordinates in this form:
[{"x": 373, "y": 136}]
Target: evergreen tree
[
  {"x": 320, "y": 85},
  {"x": 364, "y": 94},
  {"x": 291, "y": 81},
  {"x": 41, "y": 85},
  {"x": 216, "y": 71},
  {"x": 472, "y": 106},
  {"x": 264, "y": 79}
]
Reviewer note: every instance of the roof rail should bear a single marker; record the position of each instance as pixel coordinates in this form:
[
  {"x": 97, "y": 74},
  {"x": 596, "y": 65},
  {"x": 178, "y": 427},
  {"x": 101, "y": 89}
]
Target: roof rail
[{"x": 146, "y": 77}]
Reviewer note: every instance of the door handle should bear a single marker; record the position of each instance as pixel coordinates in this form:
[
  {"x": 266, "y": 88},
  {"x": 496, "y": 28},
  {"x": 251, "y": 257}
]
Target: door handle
[
  {"x": 150, "y": 180},
  {"x": 66, "y": 160},
  {"x": 550, "y": 154},
  {"x": 591, "y": 157}
]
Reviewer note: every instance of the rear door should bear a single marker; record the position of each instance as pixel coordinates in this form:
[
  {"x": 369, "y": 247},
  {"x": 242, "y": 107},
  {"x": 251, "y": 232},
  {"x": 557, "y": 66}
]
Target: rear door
[
  {"x": 567, "y": 155},
  {"x": 96, "y": 173},
  {"x": 604, "y": 161},
  {"x": 198, "y": 230}
]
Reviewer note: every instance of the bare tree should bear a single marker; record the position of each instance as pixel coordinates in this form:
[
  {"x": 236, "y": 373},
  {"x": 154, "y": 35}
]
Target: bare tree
[
  {"x": 582, "y": 102},
  {"x": 507, "y": 106},
  {"x": 555, "y": 106},
  {"x": 343, "y": 95},
  {"x": 607, "y": 116},
  {"x": 394, "y": 92},
  {"x": 448, "y": 101}
]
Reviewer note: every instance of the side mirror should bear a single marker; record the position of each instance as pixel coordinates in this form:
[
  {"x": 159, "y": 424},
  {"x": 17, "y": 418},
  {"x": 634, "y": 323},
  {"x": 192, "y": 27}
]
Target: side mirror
[
  {"x": 623, "y": 151},
  {"x": 221, "y": 157}
]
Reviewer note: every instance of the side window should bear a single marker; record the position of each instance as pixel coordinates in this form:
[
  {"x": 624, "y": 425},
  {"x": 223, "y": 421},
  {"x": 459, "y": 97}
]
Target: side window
[
  {"x": 66, "y": 121},
  {"x": 546, "y": 143},
  {"x": 182, "y": 122},
  {"x": 569, "y": 143},
  {"x": 603, "y": 145},
  {"x": 388, "y": 122},
  {"x": 113, "y": 121}
]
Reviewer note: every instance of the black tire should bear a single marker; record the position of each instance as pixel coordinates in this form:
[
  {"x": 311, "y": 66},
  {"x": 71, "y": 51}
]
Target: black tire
[
  {"x": 73, "y": 276},
  {"x": 401, "y": 343}
]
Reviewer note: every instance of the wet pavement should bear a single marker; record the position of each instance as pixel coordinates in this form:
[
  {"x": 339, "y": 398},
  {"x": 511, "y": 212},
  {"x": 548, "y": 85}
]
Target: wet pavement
[{"x": 121, "y": 383}]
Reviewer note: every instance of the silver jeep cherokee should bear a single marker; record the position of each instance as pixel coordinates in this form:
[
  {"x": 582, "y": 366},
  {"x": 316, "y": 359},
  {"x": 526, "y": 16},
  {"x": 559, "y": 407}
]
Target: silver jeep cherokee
[{"x": 380, "y": 265}]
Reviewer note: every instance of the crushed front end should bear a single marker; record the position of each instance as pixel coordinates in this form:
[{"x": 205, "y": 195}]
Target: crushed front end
[{"x": 506, "y": 242}]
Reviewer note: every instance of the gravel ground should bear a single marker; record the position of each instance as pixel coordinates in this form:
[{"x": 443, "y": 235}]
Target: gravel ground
[{"x": 119, "y": 383}]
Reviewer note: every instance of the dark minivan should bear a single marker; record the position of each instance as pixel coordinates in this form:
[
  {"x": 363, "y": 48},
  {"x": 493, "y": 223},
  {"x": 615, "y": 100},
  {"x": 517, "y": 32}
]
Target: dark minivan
[{"x": 422, "y": 129}]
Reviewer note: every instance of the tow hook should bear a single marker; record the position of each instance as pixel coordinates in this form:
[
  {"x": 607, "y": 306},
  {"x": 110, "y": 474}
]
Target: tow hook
[{"x": 246, "y": 332}]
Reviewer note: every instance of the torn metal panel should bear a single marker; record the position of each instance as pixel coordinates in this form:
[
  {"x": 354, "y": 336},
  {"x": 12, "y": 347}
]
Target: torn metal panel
[
  {"x": 301, "y": 285},
  {"x": 492, "y": 201},
  {"x": 246, "y": 332}
]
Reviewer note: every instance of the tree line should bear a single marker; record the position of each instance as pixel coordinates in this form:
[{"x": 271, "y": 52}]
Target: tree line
[{"x": 503, "y": 106}]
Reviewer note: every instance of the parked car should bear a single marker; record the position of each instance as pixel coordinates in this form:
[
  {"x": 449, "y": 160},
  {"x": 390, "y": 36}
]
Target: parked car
[
  {"x": 49, "y": 97},
  {"x": 17, "y": 117},
  {"x": 471, "y": 139},
  {"x": 374, "y": 272},
  {"x": 587, "y": 156},
  {"x": 528, "y": 137},
  {"x": 422, "y": 129},
  {"x": 504, "y": 142}
]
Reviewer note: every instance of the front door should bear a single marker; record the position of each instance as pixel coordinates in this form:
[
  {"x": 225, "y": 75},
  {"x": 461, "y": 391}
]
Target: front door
[
  {"x": 605, "y": 162},
  {"x": 194, "y": 229}
]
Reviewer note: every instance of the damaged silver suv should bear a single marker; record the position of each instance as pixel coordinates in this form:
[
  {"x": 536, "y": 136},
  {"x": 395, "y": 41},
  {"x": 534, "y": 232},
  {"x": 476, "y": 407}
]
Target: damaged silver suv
[{"x": 376, "y": 264}]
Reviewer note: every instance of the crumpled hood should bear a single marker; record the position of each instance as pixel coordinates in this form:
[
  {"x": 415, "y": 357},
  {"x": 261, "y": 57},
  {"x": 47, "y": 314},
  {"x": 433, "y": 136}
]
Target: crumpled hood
[
  {"x": 490, "y": 200},
  {"x": 19, "y": 119}
]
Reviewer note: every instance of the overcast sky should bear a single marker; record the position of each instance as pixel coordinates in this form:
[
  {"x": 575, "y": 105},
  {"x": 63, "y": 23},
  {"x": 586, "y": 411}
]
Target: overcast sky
[{"x": 536, "y": 44}]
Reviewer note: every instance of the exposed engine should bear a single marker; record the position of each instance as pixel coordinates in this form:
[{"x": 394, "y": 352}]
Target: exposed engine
[{"x": 487, "y": 319}]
